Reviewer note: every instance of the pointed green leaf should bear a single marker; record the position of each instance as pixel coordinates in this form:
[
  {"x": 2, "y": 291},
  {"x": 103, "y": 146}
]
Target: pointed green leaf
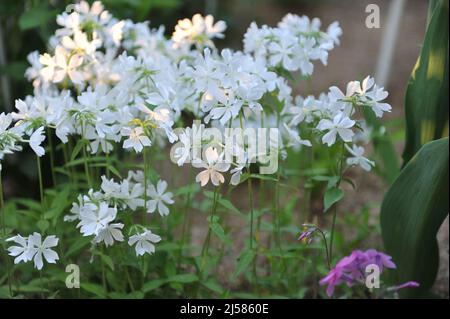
[
  {"x": 426, "y": 102},
  {"x": 244, "y": 261},
  {"x": 332, "y": 196},
  {"x": 412, "y": 212}
]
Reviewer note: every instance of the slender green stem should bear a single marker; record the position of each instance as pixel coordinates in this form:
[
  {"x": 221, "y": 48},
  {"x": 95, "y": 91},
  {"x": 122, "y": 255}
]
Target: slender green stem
[
  {"x": 186, "y": 217},
  {"x": 145, "y": 179},
  {"x": 105, "y": 287},
  {"x": 70, "y": 170},
  {"x": 277, "y": 234},
  {"x": 250, "y": 194},
  {"x": 3, "y": 222},
  {"x": 206, "y": 243},
  {"x": 250, "y": 198},
  {"x": 277, "y": 200},
  {"x": 130, "y": 282},
  {"x": 333, "y": 225},
  {"x": 66, "y": 160},
  {"x": 107, "y": 165},
  {"x": 41, "y": 182},
  {"x": 86, "y": 167},
  {"x": 42, "y": 284},
  {"x": 52, "y": 155},
  {"x": 326, "y": 247}
]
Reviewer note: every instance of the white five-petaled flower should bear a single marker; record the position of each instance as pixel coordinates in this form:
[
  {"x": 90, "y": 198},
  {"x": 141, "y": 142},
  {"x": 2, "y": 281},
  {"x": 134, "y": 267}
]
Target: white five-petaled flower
[
  {"x": 136, "y": 139},
  {"x": 213, "y": 167},
  {"x": 36, "y": 140},
  {"x": 341, "y": 125},
  {"x": 61, "y": 65},
  {"x": 109, "y": 234},
  {"x": 93, "y": 218},
  {"x": 144, "y": 242},
  {"x": 33, "y": 248},
  {"x": 375, "y": 97},
  {"x": 159, "y": 198},
  {"x": 358, "y": 158},
  {"x": 39, "y": 249}
]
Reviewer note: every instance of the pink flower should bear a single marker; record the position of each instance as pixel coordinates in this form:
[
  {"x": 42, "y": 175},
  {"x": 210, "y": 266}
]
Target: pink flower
[{"x": 352, "y": 269}]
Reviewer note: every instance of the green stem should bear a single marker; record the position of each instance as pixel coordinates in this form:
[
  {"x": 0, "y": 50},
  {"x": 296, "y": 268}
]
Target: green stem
[
  {"x": 333, "y": 225},
  {"x": 86, "y": 168},
  {"x": 107, "y": 165},
  {"x": 205, "y": 247},
  {"x": 277, "y": 208},
  {"x": 41, "y": 182},
  {"x": 42, "y": 284},
  {"x": 186, "y": 218},
  {"x": 72, "y": 176},
  {"x": 3, "y": 222},
  {"x": 250, "y": 194},
  {"x": 52, "y": 155},
  {"x": 326, "y": 247},
  {"x": 105, "y": 287},
  {"x": 145, "y": 180},
  {"x": 130, "y": 282}
]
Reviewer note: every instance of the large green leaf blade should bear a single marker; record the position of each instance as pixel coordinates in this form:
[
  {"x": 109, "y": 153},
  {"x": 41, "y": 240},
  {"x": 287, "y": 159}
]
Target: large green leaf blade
[
  {"x": 412, "y": 212},
  {"x": 426, "y": 102}
]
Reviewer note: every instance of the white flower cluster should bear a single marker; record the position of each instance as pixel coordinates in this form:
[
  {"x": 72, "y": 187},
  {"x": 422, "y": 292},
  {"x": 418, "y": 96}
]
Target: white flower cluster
[
  {"x": 85, "y": 88},
  {"x": 331, "y": 115},
  {"x": 11, "y": 137},
  {"x": 111, "y": 82},
  {"x": 97, "y": 212},
  {"x": 293, "y": 44}
]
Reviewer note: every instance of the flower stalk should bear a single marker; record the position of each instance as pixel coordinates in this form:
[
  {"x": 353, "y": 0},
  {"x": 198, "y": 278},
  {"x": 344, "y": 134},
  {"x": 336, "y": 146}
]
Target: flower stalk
[{"x": 3, "y": 226}]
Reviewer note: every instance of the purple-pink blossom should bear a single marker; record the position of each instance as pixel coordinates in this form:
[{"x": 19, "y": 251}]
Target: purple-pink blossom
[{"x": 352, "y": 269}]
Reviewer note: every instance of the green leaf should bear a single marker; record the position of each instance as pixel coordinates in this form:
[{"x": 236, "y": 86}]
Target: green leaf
[
  {"x": 35, "y": 17},
  {"x": 183, "y": 278},
  {"x": 42, "y": 225},
  {"x": 426, "y": 102},
  {"x": 332, "y": 196},
  {"x": 29, "y": 203},
  {"x": 15, "y": 70},
  {"x": 114, "y": 170},
  {"x": 77, "y": 149},
  {"x": 264, "y": 177},
  {"x": 412, "y": 212},
  {"x": 106, "y": 259},
  {"x": 59, "y": 203},
  {"x": 213, "y": 285},
  {"x": 79, "y": 244},
  {"x": 218, "y": 231},
  {"x": 244, "y": 261},
  {"x": 152, "y": 285},
  {"x": 228, "y": 205},
  {"x": 191, "y": 189},
  {"x": 93, "y": 289}
]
